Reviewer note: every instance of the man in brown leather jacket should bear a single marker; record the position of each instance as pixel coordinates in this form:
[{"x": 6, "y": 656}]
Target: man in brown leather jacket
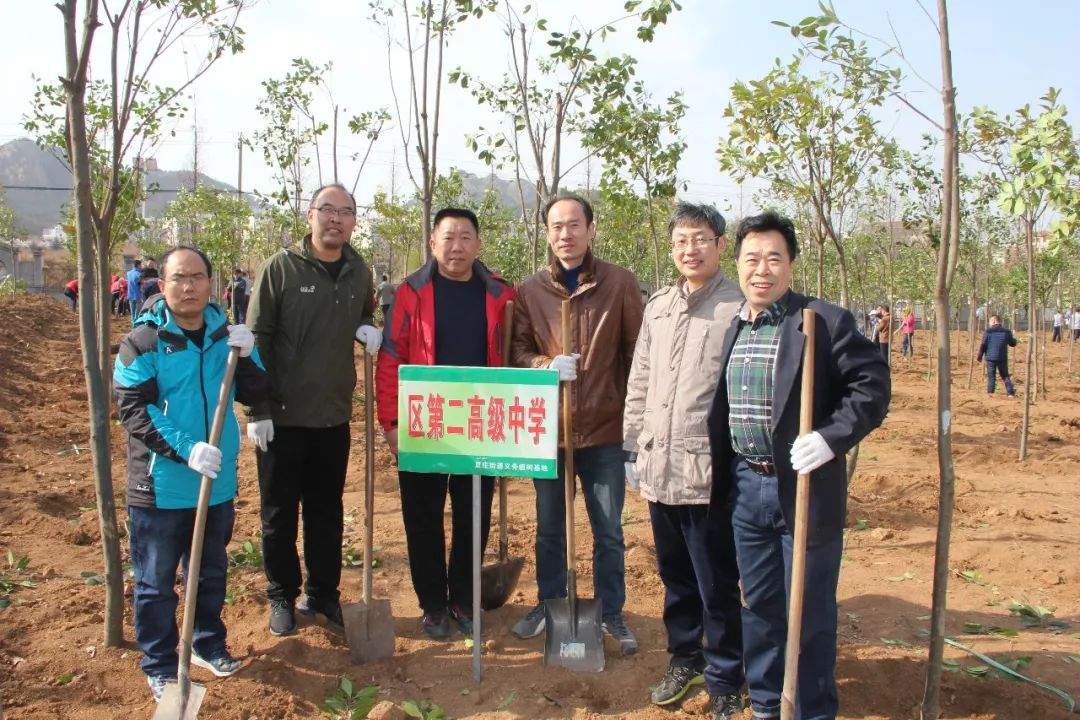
[{"x": 606, "y": 311}]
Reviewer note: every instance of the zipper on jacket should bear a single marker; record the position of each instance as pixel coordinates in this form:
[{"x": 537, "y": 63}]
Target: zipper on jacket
[{"x": 202, "y": 391}]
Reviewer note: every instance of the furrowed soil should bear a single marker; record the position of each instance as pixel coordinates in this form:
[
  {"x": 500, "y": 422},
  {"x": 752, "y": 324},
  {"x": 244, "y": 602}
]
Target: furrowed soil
[{"x": 1016, "y": 537}]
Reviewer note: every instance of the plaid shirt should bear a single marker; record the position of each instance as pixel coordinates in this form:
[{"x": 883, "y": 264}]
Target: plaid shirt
[{"x": 751, "y": 373}]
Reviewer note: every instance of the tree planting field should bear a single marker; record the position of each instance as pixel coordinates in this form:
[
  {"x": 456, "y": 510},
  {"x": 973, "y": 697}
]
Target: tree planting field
[{"x": 1016, "y": 539}]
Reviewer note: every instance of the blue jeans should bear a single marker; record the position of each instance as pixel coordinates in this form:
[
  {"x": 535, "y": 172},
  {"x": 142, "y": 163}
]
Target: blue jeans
[
  {"x": 763, "y": 546},
  {"x": 993, "y": 369},
  {"x": 160, "y": 541},
  {"x": 135, "y": 304},
  {"x": 600, "y": 470},
  {"x": 695, "y": 555}
]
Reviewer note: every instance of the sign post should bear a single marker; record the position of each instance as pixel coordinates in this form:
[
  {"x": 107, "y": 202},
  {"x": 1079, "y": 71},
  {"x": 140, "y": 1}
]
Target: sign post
[{"x": 478, "y": 421}]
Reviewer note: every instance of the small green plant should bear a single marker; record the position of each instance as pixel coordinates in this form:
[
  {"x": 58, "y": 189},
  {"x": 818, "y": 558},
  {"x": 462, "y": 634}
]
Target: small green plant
[
  {"x": 14, "y": 578},
  {"x": 1030, "y": 615},
  {"x": 861, "y": 524},
  {"x": 972, "y": 576},
  {"x": 348, "y": 703},
  {"x": 424, "y": 709},
  {"x": 627, "y": 520},
  {"x": 249, "y": 555},
  {"x": 351, "y": 557}
]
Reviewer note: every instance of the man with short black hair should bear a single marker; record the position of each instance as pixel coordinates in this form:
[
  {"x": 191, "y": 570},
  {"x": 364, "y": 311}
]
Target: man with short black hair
[
  {"x": 238, "y": 295},
  {"x": 449, "y": 312},
  {"x": 167, "y": 375},
  {"x": 672, "y": 380},
  {"x": 757, "y": 455},
  {"x": 309, "y": 305},
  {"x": 606, "y": 311}
]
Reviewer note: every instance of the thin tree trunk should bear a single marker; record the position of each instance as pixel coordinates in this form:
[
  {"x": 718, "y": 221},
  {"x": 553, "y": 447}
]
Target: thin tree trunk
[
  {"x": 655, "y": 245},
  {"x": 972, "y": 329},
  {"x": 1029, "y": 242},
  {"x": 948, "y": 251},
  {"x": 1042, "y": 357},
  {"x": 86, "y": 231}
]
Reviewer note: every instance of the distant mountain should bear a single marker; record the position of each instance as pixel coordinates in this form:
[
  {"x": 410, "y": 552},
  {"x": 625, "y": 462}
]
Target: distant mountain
[
  {"x": 23, "y": 163},
  {"x": 506, "y": 190}
]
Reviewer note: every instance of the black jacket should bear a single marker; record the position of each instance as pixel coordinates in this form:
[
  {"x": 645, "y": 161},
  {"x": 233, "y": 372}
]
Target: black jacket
[
  {"x": 996, "y": 343},
  {"x": 851, "y": 397}
]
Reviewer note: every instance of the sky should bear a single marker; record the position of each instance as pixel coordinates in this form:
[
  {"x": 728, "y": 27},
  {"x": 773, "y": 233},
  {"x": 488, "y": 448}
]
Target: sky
[{"x": 1005, "y": 54}]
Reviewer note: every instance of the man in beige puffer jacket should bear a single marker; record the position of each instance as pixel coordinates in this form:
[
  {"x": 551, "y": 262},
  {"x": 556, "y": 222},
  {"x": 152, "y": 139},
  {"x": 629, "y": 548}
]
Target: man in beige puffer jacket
[{"x": 676, "y": 365}]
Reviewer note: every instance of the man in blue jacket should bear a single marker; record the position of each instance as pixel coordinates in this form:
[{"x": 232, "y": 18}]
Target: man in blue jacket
[
  {"x": 134, "y": 291},
  {"x": 995, "y": 347},
  {"x": 167, "y": 377},
  {"x": 757, "y": 454}
]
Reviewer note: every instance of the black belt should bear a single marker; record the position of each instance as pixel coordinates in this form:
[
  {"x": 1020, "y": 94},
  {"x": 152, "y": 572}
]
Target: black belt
[{"x": 765, "y": 467}]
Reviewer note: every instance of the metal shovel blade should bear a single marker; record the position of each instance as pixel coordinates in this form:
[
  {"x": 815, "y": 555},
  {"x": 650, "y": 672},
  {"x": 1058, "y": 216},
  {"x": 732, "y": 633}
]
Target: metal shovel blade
[
  {"x": 369, "y": 630},
  {"x": 497, "y": 582},
  {"x": 170, "y": 707},
  {"x": 579, "y": 648}
]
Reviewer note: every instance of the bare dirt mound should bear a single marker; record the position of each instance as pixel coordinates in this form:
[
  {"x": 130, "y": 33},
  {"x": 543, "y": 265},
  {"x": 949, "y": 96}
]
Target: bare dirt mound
[{"x": 1016, "y": 538}]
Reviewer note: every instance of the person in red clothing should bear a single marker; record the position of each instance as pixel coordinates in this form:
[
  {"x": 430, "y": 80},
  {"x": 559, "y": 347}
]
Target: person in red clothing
[
  {"x": 71, "y": 291},
  {"x": 449, "y": 312}
]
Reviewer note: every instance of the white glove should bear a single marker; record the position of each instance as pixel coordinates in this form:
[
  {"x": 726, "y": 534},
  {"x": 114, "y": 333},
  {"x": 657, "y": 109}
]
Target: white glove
[
  {"x": 810, "y": 452},
  {"x": 205, "y": 459},
  {"x": 241, "y": 337},
  {"x": 632, "y": 478},
  {"x": 566, "y": 365},
  {"x": 261, "y": 433},
  {"x": 371, "y": 338}
]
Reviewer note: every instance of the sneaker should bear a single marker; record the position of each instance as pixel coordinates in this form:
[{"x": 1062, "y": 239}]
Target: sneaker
[
  {"x": 157, "y": 685},
  {"x": 532, "y": 624},
  {"x": 676, "y": 683},
  {"x": 616, "y": 627},
  {"x": 282, "y": 619},
  {"x": 728, "y": 707},
  {"x": 330, "y": 611},
  {"x": 436, "y": 625},
  {"x": 462, "y": 619},
  {"x": 222, "y": 666}
]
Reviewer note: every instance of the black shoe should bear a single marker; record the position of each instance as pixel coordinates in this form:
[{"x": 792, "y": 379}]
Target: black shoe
[
  {"x": 462, "y": 619},
  {"x": 436, "y": 625},
  {"x": 616, "y": 627},
  {"x": 727, "y": 707},
  {"x": 282, "y": 619},
  {"x": 678, "y": 680},
  {"x": 532, "y": 624},
  {"x": 329, "y": 610}
]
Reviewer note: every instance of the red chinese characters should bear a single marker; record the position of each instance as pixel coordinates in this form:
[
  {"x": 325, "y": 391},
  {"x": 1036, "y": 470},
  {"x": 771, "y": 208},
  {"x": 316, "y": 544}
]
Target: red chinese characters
[{"x": 495, "y": 419}]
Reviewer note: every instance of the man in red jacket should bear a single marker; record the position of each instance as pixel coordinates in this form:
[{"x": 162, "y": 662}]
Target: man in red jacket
[{"x": 449, "y": 312}]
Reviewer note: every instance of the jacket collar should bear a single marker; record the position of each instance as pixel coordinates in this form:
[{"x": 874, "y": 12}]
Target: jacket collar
[
  {"x": 586, "y": 274},
  {"x": 493, "y": 284},
  {"x": 693, "y": 297},
  {"x": 307, "y": 252},
  {"x": 156, "y": 314}
]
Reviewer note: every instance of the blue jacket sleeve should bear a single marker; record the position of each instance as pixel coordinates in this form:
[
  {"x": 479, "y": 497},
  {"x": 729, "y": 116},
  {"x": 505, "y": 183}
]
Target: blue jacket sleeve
[{"x": 136, "y": 388}]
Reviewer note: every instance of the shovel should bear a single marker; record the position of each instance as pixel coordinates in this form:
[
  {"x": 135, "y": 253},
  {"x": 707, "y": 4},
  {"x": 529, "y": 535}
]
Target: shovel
[
  {"x": 369, "y": 624},
  {"x": 182, "y": 699},
  {"x": 573, "y": 625},
  {"x": 498, "y": 580},
  {"x": 802, "y": 514}
]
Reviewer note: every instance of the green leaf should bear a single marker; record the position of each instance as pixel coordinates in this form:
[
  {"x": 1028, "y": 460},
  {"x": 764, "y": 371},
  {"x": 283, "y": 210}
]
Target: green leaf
[
  {"x": 1002, "y": 631},
  {"x": 346, "y": 685},
  {"x": 412, "y": 709},
  {"x": 974, "y": 628},
  {"x": 977, "y": 670},
  {"x": 896, "y": 643},
  {"x": 861, "y": 524},
  {"x": 65, "y": 678}
]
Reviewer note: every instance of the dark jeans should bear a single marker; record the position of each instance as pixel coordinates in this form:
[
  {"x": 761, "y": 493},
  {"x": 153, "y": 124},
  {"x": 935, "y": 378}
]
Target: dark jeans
[
  {"x": 160, "y": 541},
  {"x": 303, "y": 467},
  {"x": 134, "y": 304},
  {"x": 908, "y": 348},
  {"x": 1057, "y": 334},
  {"x": 995, "y": 367},
  {"x": 385, "y": 313},
  {"x": 73, "y": 297},
  {"x": 423, "y": 501},
  {"x": 239, "y": 313},
  {"x": 883, "y": 348},
  {"x": 695, "y": 554},
  {"x": 600, "y": 470},
  {"x": 763, "y": 545}
]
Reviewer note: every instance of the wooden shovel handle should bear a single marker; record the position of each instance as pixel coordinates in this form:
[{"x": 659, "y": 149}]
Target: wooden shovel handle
[
  {"x": 369, "y": 475},
  {"x": 802, "y": 512},
  {"x": 568, "y": 461}
]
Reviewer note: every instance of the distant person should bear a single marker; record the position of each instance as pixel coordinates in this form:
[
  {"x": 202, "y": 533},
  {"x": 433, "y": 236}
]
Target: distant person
[
  {"x": 1059, "y": 320},
  {"x": 167, "y": 375},
  {"x": 134, "y": 291},
  {"x": 907, "y": 332},
  {"x": 238, "y": 295},
  {"x": 883, "y": 330},
  {"x": 384, "y": 295},
  {"x": 1076, "y": 323},
  {"x": 149, "y": 283},
  {"x": 71, "y": 291},
  {"x": 114, "y": 294},
  {"x": 995, "y": 347}
]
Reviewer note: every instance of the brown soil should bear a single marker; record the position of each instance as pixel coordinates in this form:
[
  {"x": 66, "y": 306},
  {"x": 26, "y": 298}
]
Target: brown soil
[{"x": 1017, "y": 524}]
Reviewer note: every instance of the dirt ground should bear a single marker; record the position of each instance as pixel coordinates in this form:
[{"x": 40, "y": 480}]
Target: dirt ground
[{"x": 1017, "y": 535}]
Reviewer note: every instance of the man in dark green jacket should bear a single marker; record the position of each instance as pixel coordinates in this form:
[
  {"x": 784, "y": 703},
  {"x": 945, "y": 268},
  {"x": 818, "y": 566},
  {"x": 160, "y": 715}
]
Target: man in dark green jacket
[{"x": 308, "y": 305}]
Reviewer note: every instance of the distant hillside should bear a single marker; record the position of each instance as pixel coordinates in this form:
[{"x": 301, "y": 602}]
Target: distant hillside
[
  {"x": 23, "y": 163},
  {"x": 507, "y": 191}
]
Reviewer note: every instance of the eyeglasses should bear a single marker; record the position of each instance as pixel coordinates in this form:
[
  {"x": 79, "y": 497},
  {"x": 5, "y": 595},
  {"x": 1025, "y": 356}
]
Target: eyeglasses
[
  {"x": 327, "y": 211},
  {"x": 193, "y": 280},
  {"x": 698, "y": 243}
]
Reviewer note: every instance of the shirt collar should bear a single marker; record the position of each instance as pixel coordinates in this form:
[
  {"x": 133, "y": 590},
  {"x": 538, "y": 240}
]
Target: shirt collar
[{"x": 771, "y": 315}]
